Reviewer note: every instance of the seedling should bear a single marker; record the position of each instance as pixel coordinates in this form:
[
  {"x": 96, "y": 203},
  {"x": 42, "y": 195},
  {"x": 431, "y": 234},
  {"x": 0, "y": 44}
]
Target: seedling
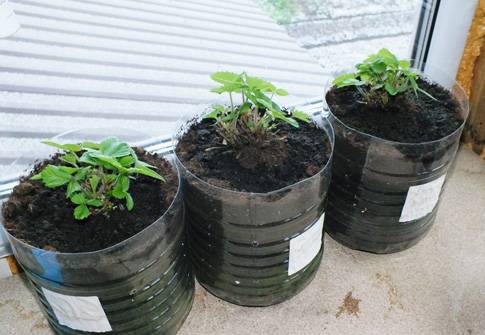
[
  {"x": 254, "y": 120},
  {"x": 95, "y": 174},
  {"x": 381, "y": 76}
]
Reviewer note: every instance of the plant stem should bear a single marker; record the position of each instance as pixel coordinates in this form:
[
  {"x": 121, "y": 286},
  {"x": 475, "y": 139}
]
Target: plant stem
[{"x": 232, "y": 104}]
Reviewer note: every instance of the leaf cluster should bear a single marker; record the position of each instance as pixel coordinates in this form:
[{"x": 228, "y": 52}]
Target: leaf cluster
[
  {"x": 256, "y": 114},
  {"x": 95, "y": 174},
  {"x": 380, "y": 76}
]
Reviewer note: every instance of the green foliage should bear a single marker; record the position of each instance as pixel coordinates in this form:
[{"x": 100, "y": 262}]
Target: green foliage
[
  {"x": 95, "y": 174},
  {"x": 257, "y": 113},
  {"x": 381, "y": 75}
]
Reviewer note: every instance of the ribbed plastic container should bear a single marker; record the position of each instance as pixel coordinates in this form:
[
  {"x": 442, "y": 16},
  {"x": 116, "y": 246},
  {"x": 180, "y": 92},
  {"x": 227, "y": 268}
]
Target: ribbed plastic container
[
  {"x": 143, "y": 285},
  {"x": 384, "y": 195},
  {"x": 256, "y": 249}
]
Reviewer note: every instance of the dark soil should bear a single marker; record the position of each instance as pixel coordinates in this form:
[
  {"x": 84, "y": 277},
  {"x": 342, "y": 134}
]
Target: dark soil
[
  {"x": 406, "y": 118},
  {"x": 304, "y": 152},
  {"x": 43, "y": 217}
]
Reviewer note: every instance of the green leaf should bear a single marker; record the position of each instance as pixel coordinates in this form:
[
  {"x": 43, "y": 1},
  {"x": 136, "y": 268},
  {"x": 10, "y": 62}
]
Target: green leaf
[
  {"x": 129, "y": 202},
  {"x": 113, "y": 147},
  {"x": 94, "y": 182},
  {"x": 118, "y": 192},
  {"x": 212, "y": 115},
  {"x": 147, "y": 172},
  {"x": 404, "y": 64},
  {"x": 281, "y": 92},
  {"x": 226, "y": 77},
  {"x": 53, "y": 177},
  {"x": 88, "y": 159},
  {"x": 94, "y": 202},
  {"x": 390, "y": 89},
  {"x": 109, "y": 178},
  {"x": 124, "y": 182},
  {"x": 388, "y": 57},
  {"x": 255, "y": 83},
  {"x": 78, "y": 198},
  {"x": 219, "y": 90},
  {"x": 378, "y": 67},
  {"x": 90, "y": 145},
  {"x": 109, "y": 161},
  {"x": 301, "y": 116},
  {"x": 68, "y": 169},
  {"x": 70, "y": 158},
  {"x": 72, "y": 187},
  {"x": 127, "y": 161},
  {"x": 38, "y": 176},
  {"x": 81, "y": 212},
  {"x": 66, "y": 147},
  {"x": 347, "y": 79},
  {"x": 82, "y": 173}
]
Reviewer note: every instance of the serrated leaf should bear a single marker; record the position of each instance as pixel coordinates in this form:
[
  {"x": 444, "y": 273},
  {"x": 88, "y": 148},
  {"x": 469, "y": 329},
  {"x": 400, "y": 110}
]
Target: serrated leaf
[
  {"x": 113, "y": 147},
  {"x": 119, "y": 190},
  {"x": 90, "y": 145},
  {"x": 301, "y": 116},
  {"x": 281, "y": 92},
  {"x": 78, "y": 198},
  {"x": 66, "y": 147},
  {"x": 38, "y": 176},
  {"x": 127, "y": 161},
  {"x": 225, "y": 77},
  {"x": 347, "y": 79},
  {"x": 118, "y": 193},
  {"x": 82, "y": 173},
  {"x": 147, "y": 172},
  {"x": 390, "y": 89},
  {"x": 72, "y": 187},
  {"x": 260, "y": 84},
  {"x": 124, "y": 181},
  {"x": 81, "y": 212},
  {"x": 109, "y": 162},
  {"x": 219, "y": 90},
  {"x": 68, "y": 169},
  {"x": 70, "y": 158},
  {"x": 94, "y": 182},
  {"x": 87, "y": 158},
  {"x": 378, "y": 67},
  {"x": 212, "y": 115},
  {"x": 53, "y": 177},
  {"x": 129, "y": 201},
  {"x": 94, "y": 202}
]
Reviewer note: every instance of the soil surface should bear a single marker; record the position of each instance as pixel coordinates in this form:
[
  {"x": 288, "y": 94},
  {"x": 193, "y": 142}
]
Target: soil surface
[
  {"x": 202, "y": 151},
  {"x": 406, "y": 118},
  {"x": 43, "y": 217}
]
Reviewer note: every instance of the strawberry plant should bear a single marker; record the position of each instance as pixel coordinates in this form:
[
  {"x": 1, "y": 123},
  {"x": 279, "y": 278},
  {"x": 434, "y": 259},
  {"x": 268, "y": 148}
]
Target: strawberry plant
[
  {"x": 95, "y": 174},
  {"x": 254, "y": 120},
  {"x": 381, "y": 76}
]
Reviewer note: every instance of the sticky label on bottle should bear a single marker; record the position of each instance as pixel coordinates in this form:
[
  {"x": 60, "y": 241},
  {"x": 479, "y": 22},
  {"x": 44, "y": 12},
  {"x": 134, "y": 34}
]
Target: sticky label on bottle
[
  {"x": 421, "y": 200},
  {"x": 304, "y": 247},
  {"x": 80, "y": 313}
]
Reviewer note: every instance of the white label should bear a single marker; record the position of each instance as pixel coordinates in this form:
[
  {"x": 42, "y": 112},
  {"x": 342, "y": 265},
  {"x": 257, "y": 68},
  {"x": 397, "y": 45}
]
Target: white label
[
  {"x": 4, "y": 268},
  {"x": 305, "y": 247},
  {"x": 80, "y": 313},
  {"x": 421, "y": 200}
]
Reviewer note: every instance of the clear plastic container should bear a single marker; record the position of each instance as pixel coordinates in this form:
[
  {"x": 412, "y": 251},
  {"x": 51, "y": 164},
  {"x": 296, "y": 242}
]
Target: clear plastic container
[
  {"x": 144, "y": 284},
  {"x": 240, "y": 242},
  {"x": 384, "y": 195}
]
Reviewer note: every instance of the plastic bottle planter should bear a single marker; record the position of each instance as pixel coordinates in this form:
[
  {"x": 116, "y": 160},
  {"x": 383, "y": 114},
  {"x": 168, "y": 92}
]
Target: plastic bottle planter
[
  {"x": 384, "y": 195},
  {"x": 143, "y": 285},
  {"x": 256, "y": 249}
]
